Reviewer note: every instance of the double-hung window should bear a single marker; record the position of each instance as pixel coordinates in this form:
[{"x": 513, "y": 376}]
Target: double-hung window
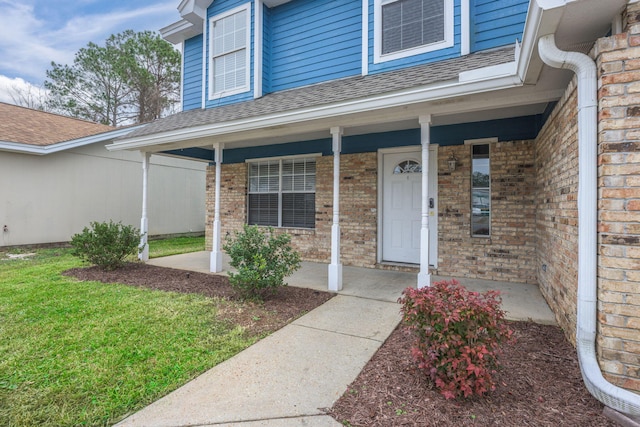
[
  {"x": 410, "y": 27},
  {"x": 230, "y": 34},
  {"x": 282, "y": 193},
  {"x": 480, "y": 191}
]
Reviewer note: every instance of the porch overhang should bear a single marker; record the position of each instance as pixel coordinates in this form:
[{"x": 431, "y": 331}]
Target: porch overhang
[
  {"x": 449, "y": 102},
  {"x": 516, "y": 87}
]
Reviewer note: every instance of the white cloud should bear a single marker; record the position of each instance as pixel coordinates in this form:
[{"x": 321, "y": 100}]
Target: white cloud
[
  {"x": 12, "y": 87},
  {"x": 22, "y": 50},
  {"x": 150, "y": 17},
  {"x": 28, "y": 44}
]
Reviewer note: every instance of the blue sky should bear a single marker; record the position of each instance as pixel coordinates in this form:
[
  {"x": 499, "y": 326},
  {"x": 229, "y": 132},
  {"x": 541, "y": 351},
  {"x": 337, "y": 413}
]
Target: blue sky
[{"x": 35, "y": 32}]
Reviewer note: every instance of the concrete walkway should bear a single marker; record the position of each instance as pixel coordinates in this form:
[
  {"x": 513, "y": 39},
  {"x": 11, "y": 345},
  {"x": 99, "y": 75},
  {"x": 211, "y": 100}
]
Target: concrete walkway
[
  {"x": 519, "y": 300},
  {"x": 287, "y": 378}
]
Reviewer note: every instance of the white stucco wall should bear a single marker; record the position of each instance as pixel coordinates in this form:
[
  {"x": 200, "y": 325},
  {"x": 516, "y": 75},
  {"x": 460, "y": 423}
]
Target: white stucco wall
[{"x": 48, "y": 198}]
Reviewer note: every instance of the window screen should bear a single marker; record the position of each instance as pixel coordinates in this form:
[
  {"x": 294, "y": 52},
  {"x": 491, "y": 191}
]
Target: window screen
[
  {"x": 282, "y": 193},
  {"x": 229, "y": 52},
  {"x": 411, "y": 23}
]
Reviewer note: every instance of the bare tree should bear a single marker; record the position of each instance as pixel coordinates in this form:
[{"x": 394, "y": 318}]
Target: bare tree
[{"x": 29, "y": 96}]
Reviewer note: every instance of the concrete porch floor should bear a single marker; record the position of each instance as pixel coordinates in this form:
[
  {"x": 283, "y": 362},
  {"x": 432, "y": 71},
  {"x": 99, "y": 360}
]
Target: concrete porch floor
[{"x": 520, "y": 301}]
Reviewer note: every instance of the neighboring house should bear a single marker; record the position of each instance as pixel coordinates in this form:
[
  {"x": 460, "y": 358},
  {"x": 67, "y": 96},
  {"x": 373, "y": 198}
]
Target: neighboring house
[
  {"x": 57, "y": 177},
  {"x": 430, "y": 134}
]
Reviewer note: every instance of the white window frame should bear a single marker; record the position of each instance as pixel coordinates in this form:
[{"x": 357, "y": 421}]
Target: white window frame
[
  {"x": 215, "y": 95},
  {"x": 281, "y": 159},
  {"x": 378, "y": 57},
  {"x": 481, "y": 141}
]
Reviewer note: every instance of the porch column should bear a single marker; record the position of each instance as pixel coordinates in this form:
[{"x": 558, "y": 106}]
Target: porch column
[
  {"x": 335, "y": 268},
  {"x": 215, "y": 265},
  {"x": 424, "y": 278},
  {"x": 143, "y": 252}
]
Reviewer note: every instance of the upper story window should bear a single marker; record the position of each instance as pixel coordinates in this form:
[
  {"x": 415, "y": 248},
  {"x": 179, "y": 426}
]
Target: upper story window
[
  {"x": 409, "y": 27},
  {"x": 229, "y": 35}
]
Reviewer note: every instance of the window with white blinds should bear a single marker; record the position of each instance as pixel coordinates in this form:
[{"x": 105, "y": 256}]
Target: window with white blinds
[
  {"x": 282, "y": 193},
  {"x": 409, "y": 27},
  {"x": 229, "y": 41},
  {"x": 411, "y": 23}
]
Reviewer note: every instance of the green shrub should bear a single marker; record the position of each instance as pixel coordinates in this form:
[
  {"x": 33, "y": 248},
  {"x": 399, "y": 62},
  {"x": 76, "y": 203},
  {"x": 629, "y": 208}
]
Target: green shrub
[
  {"x": 458, "y": 336},
  {"x": 106, "y": 244},
  {"x": 262, "y": 261}
]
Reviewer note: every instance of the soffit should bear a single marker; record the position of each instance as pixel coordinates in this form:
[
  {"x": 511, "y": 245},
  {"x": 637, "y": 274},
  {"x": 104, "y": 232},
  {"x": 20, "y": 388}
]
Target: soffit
[{"x": 577, "y": 24}]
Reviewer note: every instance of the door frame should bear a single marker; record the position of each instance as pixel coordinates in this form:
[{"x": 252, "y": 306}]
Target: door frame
[{"x": 433, "y": 151}]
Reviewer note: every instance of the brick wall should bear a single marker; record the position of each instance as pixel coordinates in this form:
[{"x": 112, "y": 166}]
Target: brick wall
[
  {"x": 557, "y": 211},
  {"x": 618, "y": 61},
  {"x": 618, "y": 346},
  {"x": 358, "y": 208},
  {"x": 233, "y": 203},
  {"x": 508, "y": 254}
]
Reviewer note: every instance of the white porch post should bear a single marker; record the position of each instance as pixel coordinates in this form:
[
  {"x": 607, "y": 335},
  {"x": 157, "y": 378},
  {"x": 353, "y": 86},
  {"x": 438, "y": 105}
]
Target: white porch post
[
  {"x": 335, "y": 268},
  {"x": 143, "y": 253},
  {"x": 424, "y": 278},
  {"x": 215, "y": 265}
]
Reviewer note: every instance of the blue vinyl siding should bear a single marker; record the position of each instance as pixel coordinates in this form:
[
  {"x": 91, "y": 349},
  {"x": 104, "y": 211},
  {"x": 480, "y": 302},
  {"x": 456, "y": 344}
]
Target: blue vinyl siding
[
  {"x": 497, "y": 23},
  {"x": 266, "y": 50},
  {"x": 192, "y": 74},
  {"x": 433, "y": 56},
  {"x": 216, "y": 8},
  {"x": 314, "y": 41}
]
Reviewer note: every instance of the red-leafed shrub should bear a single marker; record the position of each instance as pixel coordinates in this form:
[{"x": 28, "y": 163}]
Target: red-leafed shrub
[{"x": 458, "y": 336}]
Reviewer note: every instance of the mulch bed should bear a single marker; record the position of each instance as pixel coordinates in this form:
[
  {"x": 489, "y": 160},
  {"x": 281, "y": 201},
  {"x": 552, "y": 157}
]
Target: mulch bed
[
  {"x": 287, "y": 304},
  {"x": 540, "y": 385}
]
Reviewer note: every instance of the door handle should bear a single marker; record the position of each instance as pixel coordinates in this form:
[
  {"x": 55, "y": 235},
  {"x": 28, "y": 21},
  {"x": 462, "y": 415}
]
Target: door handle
[{"x": 432, "y": 203}]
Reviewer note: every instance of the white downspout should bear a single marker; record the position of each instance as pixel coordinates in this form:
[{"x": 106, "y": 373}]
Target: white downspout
[{"x": 612, "y": 396}]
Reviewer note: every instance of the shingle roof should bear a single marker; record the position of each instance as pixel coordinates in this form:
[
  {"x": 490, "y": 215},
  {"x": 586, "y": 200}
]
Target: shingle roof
[
  {"x": 330, "y": 92},
  {"x": 39, "y": 128}
]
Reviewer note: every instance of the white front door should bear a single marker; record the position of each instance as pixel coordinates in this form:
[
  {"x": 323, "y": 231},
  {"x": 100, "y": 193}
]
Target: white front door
[{"x": 402, "y": 206}]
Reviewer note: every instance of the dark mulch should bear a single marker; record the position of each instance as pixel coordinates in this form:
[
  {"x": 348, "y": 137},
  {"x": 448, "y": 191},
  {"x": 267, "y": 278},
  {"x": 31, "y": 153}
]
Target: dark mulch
[
  {"x": 287, "y": 304},
  {"x": 540, "y": 385}
]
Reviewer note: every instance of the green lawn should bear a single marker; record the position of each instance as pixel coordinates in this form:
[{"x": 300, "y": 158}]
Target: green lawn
[
  {"x": 86, "y": 353},
  {"x": 175, "y": 245}
]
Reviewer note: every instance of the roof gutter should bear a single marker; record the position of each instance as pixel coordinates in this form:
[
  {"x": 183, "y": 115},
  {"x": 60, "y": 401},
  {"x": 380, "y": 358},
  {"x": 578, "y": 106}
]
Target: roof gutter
[
  {"x": 17, "y": 147},
  {"x": 583, "y": 66}
]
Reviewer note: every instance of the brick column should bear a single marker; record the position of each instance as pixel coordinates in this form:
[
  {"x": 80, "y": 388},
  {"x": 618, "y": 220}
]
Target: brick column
[{"x": 618, "y": 61}]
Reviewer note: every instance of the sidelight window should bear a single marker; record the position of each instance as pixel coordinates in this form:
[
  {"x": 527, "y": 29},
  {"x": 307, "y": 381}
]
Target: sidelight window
[{"x": 480, "y": 191}]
